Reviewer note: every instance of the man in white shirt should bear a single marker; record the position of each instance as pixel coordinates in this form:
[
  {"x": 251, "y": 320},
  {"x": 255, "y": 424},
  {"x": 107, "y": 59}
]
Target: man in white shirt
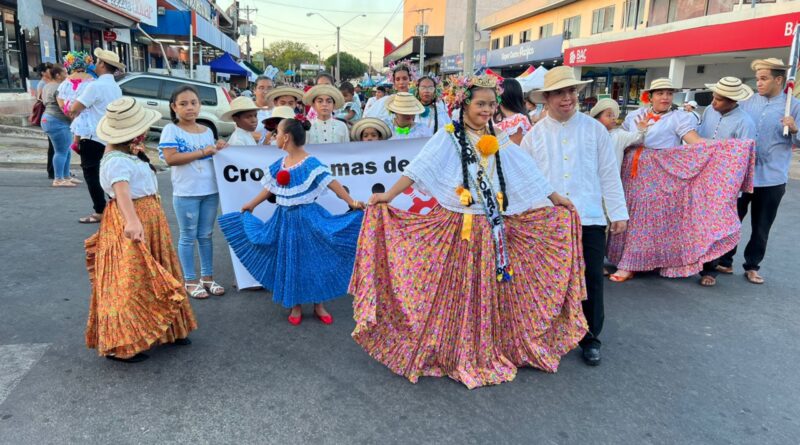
[
  {"x": 575, "y": 153},
  {"x": 93, "y": 102}
]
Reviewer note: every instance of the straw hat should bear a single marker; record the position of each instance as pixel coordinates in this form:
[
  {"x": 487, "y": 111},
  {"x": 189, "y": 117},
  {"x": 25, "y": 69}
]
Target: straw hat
[
  {"x": 732, "y": 88},
  {"x": 404, "y": 103},
  {"x": 109, "y": 57},
  {"x": 284, "y": 91},
  {"x": 556, "y": 79},
  {"x": 691, "y": 103},
  {"x": 124, "y": 120},
  {"x": 278, "y": 114},
  {"x": 768, "y": 64},
  {"x": 240, "y": 105},
  {"x": 324, "y": 90},
  {"x": 603, "y": 105},
  {"x": 370, "y": 122},
  {"x": 661, "y": 84}
]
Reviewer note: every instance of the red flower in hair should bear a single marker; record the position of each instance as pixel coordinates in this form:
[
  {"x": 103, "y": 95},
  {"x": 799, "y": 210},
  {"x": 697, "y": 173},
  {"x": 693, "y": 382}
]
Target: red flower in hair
[
  {"x": 300, "y": 117},
  {"x": 283, "y": 177},
  {"x": 645, "y": 97}
]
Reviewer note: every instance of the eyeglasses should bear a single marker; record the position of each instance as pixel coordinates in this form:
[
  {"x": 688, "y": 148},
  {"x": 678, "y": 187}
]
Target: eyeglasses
[{"x": 427, "y": 89}]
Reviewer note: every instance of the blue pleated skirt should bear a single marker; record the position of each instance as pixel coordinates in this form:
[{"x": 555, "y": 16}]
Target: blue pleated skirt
[{"x": 303, "y": 254}]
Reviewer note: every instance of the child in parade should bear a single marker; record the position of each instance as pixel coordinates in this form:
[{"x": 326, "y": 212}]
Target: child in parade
[
  {"x": 187, "y": 147},
  {"x": 435, "y": 115},
  {"x": 514, "y": 117},
  {"x": 271, "y": 124},
  {"x": 138, "y": 299},
  {"x": 490, "y": 280},
  {"x": 303, "y": 254},
  {"x": 324, "y": 128},
  {"x": 80, "y": 66},
  {"x": 244, "y": 112},
  {"x": 285, "y": 96},
  {"x": 606, "y": 111},
  {"x": 350, "y": 112},
  {"x": 405, "y": 108},
  {"x": 370, "y": 129}
]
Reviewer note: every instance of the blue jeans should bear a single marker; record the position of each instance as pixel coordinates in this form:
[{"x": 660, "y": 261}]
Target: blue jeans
[
  {"x": 61, "y": 137},
  {"x": 196, "y": 216}
]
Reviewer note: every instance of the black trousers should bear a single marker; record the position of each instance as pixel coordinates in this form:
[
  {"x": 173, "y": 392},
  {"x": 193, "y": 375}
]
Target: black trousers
[
  {"x": 594, "y": 249},
  {"x": 50, "y": 152},
  {"x": 763, "y": 203},
  {"x": 91, "y": 154}
]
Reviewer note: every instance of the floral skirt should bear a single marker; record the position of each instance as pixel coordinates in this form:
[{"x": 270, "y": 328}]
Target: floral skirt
[
  {"x": 138, "y": 298},
  {"x": 682, "y": 206},
  {"x": 427, "y": 303}
]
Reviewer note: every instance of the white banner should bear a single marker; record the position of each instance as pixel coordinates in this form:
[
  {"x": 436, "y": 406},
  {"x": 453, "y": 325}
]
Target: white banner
[{"x": 363, "y": 168}]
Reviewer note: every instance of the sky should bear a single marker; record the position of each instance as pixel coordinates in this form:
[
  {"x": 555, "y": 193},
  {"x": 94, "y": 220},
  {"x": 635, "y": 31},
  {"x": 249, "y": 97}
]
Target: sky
[{"x": 286, "y": 20}]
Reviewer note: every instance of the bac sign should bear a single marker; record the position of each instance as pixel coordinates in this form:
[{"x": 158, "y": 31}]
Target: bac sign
[
  {"x": 745, "y": 35},
  {"x": 109, "y": 36}
]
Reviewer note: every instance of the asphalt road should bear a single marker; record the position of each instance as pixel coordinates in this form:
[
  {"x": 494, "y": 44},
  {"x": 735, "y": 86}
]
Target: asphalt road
[{"x": 682, "y": 364}]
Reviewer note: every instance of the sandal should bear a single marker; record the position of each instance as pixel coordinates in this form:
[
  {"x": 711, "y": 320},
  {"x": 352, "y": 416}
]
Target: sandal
[
  {"x": 63, "y": 183},
  {"x": 196, "y": 291},
  {"x": 213, "y": 287},
  {"x": 619, "y": 278},
  {"x": 708, "y": 281},
  {"x": 724, "y": 269},
  {"x": 94, "y": 218},
  {"x": 753, "y": 277}
]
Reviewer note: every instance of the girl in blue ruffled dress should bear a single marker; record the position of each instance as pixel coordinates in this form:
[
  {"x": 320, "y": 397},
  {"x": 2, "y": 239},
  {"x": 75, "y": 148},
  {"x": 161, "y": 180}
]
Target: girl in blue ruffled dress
[{"x": 303, "y": 254}]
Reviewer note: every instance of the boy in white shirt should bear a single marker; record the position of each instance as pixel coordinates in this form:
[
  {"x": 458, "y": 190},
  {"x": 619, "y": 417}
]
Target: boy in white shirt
[{"x": 245, "y": 113}]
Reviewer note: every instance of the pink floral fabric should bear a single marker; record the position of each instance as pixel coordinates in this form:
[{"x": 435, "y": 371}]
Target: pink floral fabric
[
  {"x": 427, "y": 303},
  {"x": 514, "y": 123},
  {"x": 682, "y": 206}
]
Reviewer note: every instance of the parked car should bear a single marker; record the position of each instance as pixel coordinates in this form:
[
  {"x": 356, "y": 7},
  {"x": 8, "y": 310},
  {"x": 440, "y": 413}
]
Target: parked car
[{"x": 154, "y": 90}]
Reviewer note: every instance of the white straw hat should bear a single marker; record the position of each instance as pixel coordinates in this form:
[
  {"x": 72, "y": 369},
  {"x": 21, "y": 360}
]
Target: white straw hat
[
  {"x": 771, "y": 63},
  {"x": 324, "y": 90},
  {"x": 661, "y": 84},
  {"x": 370, "y": 122},
  {"x": 691, "y": 103},
  {"x": 603, "y": 105},
  {"x": 732, "y": 88},
  {"x": 404, "y": 103},
  {"x": 284, "y": 91},
  {"x": 125, "y": 120},
  {"x": 556, "y": 79},
  {"x": 109, "y": 57},
  {"x": 240, "y": 105},
  {"x": 278, "y": 114}
]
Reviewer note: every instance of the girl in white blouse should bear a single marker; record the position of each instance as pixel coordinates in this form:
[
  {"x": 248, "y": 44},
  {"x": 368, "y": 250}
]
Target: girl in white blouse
[
  {"x": 187, "y": 147},
  {"x": 324, "y": 128}
]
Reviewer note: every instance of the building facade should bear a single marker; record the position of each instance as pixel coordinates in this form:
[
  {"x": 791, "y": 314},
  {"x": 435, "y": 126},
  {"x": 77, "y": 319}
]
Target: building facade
[{"x": 623, "y": 44}]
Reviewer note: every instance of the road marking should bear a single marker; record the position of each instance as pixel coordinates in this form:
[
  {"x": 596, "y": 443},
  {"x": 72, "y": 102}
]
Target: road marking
[{"x": 15, "y": 362}]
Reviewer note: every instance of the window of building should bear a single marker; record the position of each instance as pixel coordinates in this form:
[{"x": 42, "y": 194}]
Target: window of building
[
  {"x": 689, "y": 9},
  {"x": 61, "y": 37},
  {"x": 137, "y": 54},
  {"x": 720, "y": 6},
  {"x": 634, "y": 13},
  {"x": 33, "y": 50},
  {"x": 495, "y": 44},
  {"x": 508, "y": 41},
  {"x": 546, "y": 31},
  {"x": 572, "y": 27},
  {"x": 525, "y": 36},
  {"x": 660, "y": 12},
  {"x": 145, "y": 87},
  {"x": 85, "y": 39},
  {"x": 603, "y": 20}
]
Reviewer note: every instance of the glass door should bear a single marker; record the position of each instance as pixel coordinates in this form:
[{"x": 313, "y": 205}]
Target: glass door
[{"x": 10, "y": 54}]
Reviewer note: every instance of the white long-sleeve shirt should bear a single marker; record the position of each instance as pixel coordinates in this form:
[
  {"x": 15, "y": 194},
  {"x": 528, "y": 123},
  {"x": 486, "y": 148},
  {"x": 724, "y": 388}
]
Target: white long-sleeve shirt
[
  {"x": 622, "y": 139},
  {"x": 578, "y": 159}
]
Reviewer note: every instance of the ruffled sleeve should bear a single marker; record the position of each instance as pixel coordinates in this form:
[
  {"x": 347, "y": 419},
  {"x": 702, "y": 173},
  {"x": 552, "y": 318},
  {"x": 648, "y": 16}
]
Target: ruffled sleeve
[
  {"x": 684, "y": 123},
  {"x": 307, "y": 182},
  {"x": 168, "y": 139},
  {"x": 115, "y": 169}
]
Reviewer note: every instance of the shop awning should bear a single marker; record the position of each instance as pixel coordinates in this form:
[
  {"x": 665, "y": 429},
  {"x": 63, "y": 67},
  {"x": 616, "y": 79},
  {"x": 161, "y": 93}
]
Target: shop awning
[
  {"x": 225, "y": 64},
  {"x": 251, "y": 76},
  {"x": 252, "y": 68},
  {"x": 526, "y": 53},
  {"x": 176, "y": 24},
  {"x": 92, "y": 11},
  {"x": 409, "y": 50}
]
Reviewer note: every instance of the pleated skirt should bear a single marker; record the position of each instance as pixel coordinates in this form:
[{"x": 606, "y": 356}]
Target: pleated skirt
[
  {"x": 427, "y": 303},
  {"x": 138, "y": 299}
]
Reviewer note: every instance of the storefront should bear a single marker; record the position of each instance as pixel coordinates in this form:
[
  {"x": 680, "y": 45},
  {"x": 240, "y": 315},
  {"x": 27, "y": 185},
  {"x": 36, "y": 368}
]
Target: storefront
[
  {"x": 513, "y": 60},
  {"x": 455, "y": 64},
  {"x": 623, "y": 85}
]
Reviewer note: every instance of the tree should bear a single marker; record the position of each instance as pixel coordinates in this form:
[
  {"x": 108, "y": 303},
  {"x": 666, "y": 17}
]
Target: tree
[
  {"x": 285, "y": 54},
  {"x": 351, "y": 66}
]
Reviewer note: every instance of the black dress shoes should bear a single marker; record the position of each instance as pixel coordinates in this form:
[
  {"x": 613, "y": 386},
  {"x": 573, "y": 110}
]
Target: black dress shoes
[
  {"x": 591, "y": 355},
  {"x": 138, "y": 358}
]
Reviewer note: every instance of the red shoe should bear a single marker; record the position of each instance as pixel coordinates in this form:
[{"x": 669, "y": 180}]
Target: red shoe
[
  {"x": 325, "y": 319},
  {"x": 295, "y": 321}
]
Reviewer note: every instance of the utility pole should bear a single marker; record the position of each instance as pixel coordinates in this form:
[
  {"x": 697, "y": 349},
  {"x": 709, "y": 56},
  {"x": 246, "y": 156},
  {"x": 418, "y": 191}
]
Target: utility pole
[
  {"x": 369, "y": 68},
  {"x": 247, "y": 11},
  {"x": 469, "y": 39},
  {"x": 236, "y": 22},
  {"x": 338, "y": 75},
  {"x": 422, "y": 31}
]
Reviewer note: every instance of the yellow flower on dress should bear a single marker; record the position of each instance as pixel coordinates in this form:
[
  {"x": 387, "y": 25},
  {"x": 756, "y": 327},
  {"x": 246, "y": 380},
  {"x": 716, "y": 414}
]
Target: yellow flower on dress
[
  {"x": 466, "y": 197},
  {"x": 488, "y": 145},
  {"x": 450, "y": 128}
]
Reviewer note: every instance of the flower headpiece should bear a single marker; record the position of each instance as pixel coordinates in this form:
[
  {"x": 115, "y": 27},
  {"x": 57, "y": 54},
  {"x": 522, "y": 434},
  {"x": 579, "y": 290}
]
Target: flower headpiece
[
  {"x": 413, "y": 73},
  {"x": 458, "y": 91},
  {"x": 413, "y": 87},
  {"x": 76, "y": 60},
  {"x": 300, "y": 117}
]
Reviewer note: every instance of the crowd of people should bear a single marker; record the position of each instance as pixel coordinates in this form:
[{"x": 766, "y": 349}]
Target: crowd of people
[{"x": 534, "y": 204}]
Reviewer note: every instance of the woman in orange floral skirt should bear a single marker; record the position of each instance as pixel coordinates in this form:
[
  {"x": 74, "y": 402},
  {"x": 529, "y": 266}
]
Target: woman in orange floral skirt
[{"x": 138, "y": 299}]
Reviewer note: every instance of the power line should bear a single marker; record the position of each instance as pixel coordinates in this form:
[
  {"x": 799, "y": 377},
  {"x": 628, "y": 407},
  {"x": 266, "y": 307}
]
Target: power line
[
  {"x": 320, "y": 9},
  {"x": 396, "y": 10}
]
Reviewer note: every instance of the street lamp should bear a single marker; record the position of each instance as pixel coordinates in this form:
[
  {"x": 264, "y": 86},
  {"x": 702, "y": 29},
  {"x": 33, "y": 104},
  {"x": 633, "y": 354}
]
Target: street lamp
[{"x": 338, "y": 27}]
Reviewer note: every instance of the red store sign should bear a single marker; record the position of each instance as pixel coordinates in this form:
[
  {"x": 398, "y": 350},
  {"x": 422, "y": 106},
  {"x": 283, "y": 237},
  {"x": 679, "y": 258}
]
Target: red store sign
[
  {"x": 746, "y": 35},
  {"x": 109, "y": 36}
]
